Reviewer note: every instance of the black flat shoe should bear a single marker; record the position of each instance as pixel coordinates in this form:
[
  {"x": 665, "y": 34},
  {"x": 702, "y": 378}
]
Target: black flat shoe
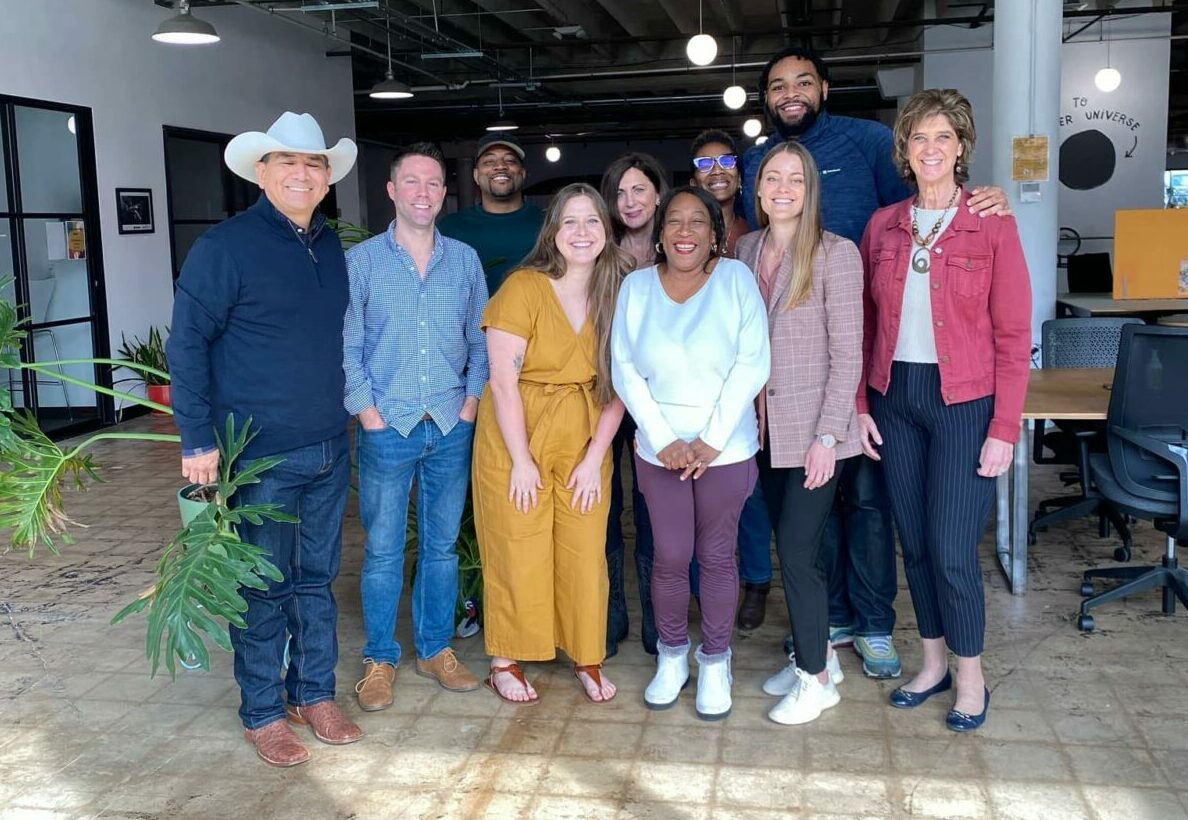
[
  {"x": 902, "y": 699},
  {"x": 961, "y": 722}
]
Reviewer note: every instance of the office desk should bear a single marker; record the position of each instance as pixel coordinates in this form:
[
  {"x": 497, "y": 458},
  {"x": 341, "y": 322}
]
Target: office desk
[
  {"x": 1104, "y": 304},
  {"x": 1054, "y": 393}
]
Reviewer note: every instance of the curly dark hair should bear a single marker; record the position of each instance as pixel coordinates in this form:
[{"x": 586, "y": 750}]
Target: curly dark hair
[{"x": 716, "y": 219}]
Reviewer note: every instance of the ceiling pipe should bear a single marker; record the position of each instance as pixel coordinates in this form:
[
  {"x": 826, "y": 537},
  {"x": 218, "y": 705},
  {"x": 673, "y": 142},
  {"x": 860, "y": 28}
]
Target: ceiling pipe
[
  {"x": 295, "y": 21},
  {"x": 1178, "y": 5}
]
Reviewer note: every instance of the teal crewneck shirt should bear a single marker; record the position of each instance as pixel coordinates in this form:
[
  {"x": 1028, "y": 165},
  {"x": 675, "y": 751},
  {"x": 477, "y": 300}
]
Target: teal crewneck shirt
[{"x": 501, "y": 240}]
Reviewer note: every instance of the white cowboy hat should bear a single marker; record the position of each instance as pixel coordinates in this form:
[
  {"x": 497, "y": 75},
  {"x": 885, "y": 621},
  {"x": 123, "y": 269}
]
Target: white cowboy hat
[{"x": 294, "y": 134}]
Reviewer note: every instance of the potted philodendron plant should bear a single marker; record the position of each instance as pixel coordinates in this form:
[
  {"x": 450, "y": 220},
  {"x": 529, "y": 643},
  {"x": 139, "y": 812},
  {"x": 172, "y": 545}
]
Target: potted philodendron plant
[
  {"x": 204, "y": 567},
  {"x": 153, "y": 368}
]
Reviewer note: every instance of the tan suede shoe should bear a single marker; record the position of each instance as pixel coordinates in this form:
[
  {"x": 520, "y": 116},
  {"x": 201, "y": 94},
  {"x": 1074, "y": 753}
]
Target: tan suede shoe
[
  {"x": 328, "y": 722},
  {"x": 277, "y": 745},
  {"x": 374, "y": 689},
  {"x": 448, "y": 672}
]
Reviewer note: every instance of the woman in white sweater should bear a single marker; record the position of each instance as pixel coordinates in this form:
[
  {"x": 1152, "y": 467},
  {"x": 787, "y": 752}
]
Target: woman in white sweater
[{"x": 689, "y": 354}]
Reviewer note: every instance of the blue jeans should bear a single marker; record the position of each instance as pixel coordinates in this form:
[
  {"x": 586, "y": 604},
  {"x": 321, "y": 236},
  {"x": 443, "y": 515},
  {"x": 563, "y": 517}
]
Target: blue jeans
[
  {"x": 311, "y": 483},
  {"x": 754, "y": 544},
  {"x": 388, "y": 462},
  {"x": 860, "y": 550},
  {"x": 616, "y": 550}
]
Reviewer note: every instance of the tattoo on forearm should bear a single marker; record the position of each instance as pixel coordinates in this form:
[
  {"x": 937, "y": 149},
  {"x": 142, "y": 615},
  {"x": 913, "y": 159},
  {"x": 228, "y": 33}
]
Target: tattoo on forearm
[{"x": 518, "y": 362}]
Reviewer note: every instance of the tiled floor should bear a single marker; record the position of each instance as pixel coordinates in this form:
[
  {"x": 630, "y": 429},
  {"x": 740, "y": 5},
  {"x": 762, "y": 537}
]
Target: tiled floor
[{"x": 1081, "y": 725}]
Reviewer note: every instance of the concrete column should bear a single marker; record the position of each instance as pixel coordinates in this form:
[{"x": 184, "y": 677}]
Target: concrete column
[{"x": 1027, "y": 48}]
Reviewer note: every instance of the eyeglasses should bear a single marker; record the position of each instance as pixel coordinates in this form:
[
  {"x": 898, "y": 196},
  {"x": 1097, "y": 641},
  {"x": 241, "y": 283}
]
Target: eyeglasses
[{"x": 727, "y": 162}]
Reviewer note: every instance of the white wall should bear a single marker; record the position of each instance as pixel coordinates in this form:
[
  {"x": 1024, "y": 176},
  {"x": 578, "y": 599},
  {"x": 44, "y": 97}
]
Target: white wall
[
  {"x": 99, "y": 54},
  {"x": 1132, "y": 119}
]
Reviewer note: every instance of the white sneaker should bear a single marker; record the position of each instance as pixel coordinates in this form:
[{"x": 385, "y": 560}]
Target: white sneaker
[
  {"x": 713, "y": 685},
  {"x": 806, "y": 702},
  {"x": 784, "y": 682},
  {"x": 833, "y": 666},
  {"x": 672, "y": 675}
]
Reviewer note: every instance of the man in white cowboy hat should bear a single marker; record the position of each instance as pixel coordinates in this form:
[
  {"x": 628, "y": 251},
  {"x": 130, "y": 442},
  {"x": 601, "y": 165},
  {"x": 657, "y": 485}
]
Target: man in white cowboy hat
[
  {"x": 257, "y": 333},
  {"x": 415, "y": 358}
]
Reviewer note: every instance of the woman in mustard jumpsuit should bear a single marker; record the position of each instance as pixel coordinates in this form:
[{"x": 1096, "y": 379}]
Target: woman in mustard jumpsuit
[{"x": 542, "y": 468}]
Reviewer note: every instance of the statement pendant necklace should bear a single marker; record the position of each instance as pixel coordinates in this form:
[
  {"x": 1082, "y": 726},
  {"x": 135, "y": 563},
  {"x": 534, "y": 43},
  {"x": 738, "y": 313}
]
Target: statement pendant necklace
[{"x": 921, "y": 257}]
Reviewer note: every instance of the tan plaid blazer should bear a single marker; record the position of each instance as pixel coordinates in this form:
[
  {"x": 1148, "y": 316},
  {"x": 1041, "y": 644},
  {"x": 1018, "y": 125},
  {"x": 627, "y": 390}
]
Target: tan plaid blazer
[{"x": 816, "y": 352}]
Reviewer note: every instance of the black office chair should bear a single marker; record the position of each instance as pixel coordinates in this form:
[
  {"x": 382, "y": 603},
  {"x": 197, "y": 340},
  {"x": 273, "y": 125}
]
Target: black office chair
[
  {"x": 1145, "y": 472},
  {"x": 1090, "y": 273},
  {"x": 1078, "y": 343}
]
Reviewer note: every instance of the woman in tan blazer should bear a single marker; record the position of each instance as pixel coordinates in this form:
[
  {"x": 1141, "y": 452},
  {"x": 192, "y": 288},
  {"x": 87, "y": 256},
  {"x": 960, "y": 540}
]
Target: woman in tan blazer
[{"x": 811, "y": 281}]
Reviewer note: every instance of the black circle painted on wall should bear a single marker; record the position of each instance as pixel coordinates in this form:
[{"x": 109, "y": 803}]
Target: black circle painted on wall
[{"x": 1087, "y": 160}]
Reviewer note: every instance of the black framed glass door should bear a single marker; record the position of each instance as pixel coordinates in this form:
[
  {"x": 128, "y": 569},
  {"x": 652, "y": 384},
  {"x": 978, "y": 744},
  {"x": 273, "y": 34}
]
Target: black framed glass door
[{"x": 51, "y": 260}]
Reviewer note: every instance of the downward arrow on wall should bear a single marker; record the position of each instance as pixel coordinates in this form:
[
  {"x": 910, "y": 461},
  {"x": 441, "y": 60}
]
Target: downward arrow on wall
[{"x": 1130, "y": 153}]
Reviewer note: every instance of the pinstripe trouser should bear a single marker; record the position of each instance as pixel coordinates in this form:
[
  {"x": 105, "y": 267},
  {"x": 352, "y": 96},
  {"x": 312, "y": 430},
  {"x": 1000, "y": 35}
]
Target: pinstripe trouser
[{"x": 939, "y": 502}]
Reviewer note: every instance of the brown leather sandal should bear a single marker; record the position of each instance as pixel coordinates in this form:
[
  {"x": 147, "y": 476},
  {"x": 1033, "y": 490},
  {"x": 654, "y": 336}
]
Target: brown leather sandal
[
  {"x": 516, "y": 672},
  {"x": 594, "y": 670}
]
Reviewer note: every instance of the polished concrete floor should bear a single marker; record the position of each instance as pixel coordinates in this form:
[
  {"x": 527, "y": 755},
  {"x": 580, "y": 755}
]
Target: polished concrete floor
[{"x": 1081, "y": 725}]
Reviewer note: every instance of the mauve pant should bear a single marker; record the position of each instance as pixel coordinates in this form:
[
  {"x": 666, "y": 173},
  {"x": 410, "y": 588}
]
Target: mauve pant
[{"x": 695, "y": 516}]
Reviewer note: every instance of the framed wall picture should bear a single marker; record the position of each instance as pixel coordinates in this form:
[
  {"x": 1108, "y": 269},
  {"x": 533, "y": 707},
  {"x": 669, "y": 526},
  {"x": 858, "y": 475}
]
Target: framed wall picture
[{"x": 134, "y": 210}]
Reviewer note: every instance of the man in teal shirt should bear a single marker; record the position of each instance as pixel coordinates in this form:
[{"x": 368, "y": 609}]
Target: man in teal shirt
[{"x": 502, "y": 227}]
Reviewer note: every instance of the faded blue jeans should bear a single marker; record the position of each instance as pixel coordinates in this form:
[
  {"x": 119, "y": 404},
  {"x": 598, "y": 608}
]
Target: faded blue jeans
[
  {"x": 311, "y": 483},
  {"x": 388, "y": 462}
]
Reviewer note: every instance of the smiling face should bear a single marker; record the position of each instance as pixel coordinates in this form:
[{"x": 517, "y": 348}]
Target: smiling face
[
  {"x": 294, "y": 183},
  {"x": 499, "y": 174},
  {"x": 417, "y": 189},
  {"x": 933, "y": 149},
  {"x": 636, "y": 200},
  {"x": 581, "y": 236},
  {"x": 723, "y": 185},
  {"x": 687, "y": 234},
  {"x": 781, "y": 187},
  {"x": 794, "y": 95}
]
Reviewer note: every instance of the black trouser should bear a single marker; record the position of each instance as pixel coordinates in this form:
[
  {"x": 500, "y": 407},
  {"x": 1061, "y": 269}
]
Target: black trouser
[
  {"x": 860, "y": 550},
  {"x": 941, "y": 505},
  {"x": 799, "y": 517},
  {"x": 616, "y": 549}
]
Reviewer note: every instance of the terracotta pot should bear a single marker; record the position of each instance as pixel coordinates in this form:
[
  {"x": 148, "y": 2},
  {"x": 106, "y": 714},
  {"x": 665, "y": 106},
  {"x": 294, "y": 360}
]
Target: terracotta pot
[{"x": 160, "y": 394}]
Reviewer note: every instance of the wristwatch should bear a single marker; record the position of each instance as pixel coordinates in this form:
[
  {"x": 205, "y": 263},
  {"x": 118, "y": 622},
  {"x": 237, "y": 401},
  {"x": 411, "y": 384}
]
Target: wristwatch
[{"x": 827, "y": 440}]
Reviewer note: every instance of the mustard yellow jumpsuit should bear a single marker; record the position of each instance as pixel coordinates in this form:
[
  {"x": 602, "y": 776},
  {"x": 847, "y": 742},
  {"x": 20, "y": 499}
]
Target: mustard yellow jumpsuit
[{"x": 544, "y": 571}]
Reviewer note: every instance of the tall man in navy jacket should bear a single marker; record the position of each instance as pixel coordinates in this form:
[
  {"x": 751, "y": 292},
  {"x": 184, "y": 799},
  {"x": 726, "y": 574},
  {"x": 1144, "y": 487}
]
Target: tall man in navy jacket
[
  {"x": 257, "y": 333},
  {"x": 858, "y": 177}
]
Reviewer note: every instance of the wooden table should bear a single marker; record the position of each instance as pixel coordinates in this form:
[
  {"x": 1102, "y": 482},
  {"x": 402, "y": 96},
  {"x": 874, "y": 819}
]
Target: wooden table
[
  {"x": 1081, "y": 394},
  {"x": 1104, "y": 304}
]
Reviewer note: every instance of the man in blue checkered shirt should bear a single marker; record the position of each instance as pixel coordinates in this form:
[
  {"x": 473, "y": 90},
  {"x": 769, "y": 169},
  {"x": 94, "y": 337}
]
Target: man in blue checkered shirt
[{"x": 416, "y": 363}]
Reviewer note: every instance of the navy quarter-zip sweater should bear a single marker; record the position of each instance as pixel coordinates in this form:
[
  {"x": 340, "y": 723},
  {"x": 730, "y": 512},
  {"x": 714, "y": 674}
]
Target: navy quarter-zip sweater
[
  {"x": 858, "y": 175},
  {"x": 257, "y": 332}
]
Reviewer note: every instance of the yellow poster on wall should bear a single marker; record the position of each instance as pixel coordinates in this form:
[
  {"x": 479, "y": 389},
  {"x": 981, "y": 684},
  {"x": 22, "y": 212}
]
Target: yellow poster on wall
[
  {"x": 76, "y": 240},
  {"x": 1029, "y": 159}
]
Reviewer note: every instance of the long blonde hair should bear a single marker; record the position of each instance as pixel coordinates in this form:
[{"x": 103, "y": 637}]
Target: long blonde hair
[
  {"x": 610, "y": 267},
  {"x": 809, "y": 234}
]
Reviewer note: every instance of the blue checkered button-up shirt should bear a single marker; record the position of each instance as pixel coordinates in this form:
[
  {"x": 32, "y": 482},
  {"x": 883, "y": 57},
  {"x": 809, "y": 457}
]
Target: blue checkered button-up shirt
[{"x": 413, "y": 346}]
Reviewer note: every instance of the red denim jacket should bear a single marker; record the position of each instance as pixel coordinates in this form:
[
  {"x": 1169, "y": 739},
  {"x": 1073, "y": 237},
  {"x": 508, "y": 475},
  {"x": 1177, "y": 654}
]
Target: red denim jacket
[{"x": 981, "y": 309}]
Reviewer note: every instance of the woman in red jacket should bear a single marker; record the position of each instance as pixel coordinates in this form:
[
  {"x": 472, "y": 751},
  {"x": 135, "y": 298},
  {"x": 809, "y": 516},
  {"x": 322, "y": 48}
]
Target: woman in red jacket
[{"x": 946, "y": 346}]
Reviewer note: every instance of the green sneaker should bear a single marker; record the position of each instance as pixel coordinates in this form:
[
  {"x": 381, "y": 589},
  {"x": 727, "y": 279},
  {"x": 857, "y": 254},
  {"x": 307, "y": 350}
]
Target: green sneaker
[
  {"x": 879, "y": 658},
  {"x": 841, "y": 635}
]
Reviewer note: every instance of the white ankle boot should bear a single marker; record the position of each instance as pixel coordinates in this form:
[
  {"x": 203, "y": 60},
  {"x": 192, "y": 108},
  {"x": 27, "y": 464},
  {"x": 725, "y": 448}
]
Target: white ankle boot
[
  {"x": 672, "y": 675},
  {"x": 713, "y": 685}
]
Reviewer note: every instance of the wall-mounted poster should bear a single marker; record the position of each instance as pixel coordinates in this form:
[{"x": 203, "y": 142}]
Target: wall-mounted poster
[
  {"x": 134, "y": 210},
  {"x": 76, "y": 239}
]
